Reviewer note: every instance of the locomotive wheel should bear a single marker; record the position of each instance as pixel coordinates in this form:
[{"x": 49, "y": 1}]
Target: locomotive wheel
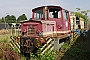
[
  {"x": 28, "y": 44},
  {"x": 43, "y": 41},
  {"x": 39, "y": 42}
]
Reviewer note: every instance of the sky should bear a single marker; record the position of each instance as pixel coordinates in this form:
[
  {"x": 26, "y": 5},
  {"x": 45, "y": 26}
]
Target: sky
[{"x": 19, "y": 7}]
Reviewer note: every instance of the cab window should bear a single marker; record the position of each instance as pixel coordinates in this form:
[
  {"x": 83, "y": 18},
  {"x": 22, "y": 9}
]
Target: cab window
[
  {"x": 38, "y": 14},
  {"x": 54, "y": 13},
  {"x": 65, "y": 14}
]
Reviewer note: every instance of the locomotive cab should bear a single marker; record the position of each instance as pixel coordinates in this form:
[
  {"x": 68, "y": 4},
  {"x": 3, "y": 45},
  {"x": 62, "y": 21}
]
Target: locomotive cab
[
  {"x": 47, "y": 12},
  {"x": 53, "y": 13}
]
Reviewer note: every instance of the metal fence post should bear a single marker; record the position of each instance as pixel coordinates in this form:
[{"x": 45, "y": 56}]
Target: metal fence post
[{"x": 56, "y": 44}]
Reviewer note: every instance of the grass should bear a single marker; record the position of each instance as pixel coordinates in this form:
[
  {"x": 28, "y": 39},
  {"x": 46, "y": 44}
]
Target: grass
[
  {"x": 4, "y": 39},
  {"x": 78, "y": 50},
  {"x": 3, "y": 31}
]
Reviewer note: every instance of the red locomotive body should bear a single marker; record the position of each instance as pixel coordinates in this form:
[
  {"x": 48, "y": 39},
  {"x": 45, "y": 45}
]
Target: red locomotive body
[
  {"x": 47, "y": 20},
  {"x": 52, "y": 21}
]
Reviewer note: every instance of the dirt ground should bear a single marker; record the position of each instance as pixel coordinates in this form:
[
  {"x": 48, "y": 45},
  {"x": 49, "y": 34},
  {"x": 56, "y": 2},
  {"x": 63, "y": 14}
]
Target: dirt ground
[{"x": 7, "y": 53}]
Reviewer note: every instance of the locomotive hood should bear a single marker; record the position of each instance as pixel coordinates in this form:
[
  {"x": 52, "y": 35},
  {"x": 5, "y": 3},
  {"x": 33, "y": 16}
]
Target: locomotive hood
[
  {"x": 38, "y": 24},
  {"x": 38, "y": 21}
]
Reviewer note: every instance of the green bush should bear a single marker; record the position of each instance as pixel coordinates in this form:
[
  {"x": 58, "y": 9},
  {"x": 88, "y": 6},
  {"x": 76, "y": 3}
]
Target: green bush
[{"x": 47, "y": 56}]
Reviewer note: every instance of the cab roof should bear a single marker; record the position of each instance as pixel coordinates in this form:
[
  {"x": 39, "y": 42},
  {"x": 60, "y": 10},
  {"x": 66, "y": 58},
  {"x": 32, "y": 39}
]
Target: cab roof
[
  {"x": 45, "y": 6},
  {"x": 50, "y": 6}
]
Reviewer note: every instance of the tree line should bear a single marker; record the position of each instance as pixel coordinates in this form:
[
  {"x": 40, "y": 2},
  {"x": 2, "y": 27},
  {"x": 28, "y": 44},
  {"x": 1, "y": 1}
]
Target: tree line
[{"x": 12, "y": 19}]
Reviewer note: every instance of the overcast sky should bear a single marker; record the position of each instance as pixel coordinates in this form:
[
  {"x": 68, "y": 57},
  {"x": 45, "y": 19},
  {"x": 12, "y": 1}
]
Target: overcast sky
[{"x": 19, "y": 7}]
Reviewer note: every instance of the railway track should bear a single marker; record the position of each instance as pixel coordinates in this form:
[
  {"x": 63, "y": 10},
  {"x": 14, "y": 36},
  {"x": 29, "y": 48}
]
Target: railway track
[{"x": 48, "y": 46}]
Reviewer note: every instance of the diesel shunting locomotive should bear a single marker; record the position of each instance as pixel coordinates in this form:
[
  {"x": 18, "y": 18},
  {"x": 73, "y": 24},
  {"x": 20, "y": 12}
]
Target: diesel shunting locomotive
[{"x": 47, "y": 21}]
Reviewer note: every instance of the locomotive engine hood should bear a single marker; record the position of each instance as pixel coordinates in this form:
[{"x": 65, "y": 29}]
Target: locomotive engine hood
[
  {"x": 39, "y": 27},
  {"x": 39, "y": 21}
]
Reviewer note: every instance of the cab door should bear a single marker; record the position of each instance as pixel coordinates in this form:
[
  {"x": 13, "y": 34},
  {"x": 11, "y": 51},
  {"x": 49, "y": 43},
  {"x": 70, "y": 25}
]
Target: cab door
[{"x": 66, "y": 21}]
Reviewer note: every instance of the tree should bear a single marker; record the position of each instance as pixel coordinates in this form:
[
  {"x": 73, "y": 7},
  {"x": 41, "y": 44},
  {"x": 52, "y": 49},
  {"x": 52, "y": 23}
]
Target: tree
[
  {"x": 13, "y": 18},
  {"x": 2, "y": 19},
  {"x": 78, "y": 9},
  {"x": 30, "y": 19},
  {"x": 22, "y": 17},
  {"x": 10, "y": 19},
  {"x": 7, "y": 18}
]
